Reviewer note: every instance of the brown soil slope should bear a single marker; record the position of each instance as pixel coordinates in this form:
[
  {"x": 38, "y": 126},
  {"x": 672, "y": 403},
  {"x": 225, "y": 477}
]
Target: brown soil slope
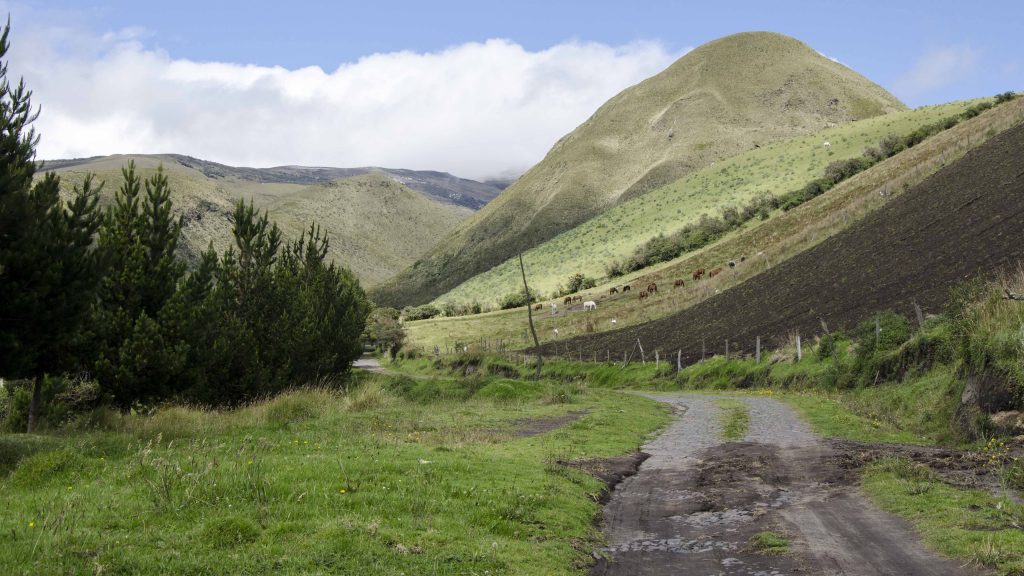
[{"x": 965, "y": 220}]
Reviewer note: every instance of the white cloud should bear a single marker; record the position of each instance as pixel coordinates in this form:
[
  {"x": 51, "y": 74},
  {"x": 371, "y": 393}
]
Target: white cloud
[
  {"x": 475, "y": 109},
  {"x": 936, "y": 69}
]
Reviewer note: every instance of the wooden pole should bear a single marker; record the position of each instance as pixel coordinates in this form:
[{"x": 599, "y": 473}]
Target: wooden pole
[
  {"x": 799, "y": 350},
  {"x": 703, "y": 350},
  {"x": 878, "y": 330},
  {"x": 529, "y": 316},
  {"x": 757, "y": 348},
  {"x": 643, "y": 356},
  {"x": 726, "y": 348},
  {"x": 920, "y": 314},
  {"x": 679, "y": 360},
  {"x": 657, "y": 361}
]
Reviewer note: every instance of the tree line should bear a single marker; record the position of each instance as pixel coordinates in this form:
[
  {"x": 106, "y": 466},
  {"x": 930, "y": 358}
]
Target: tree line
[{"x": 103, "y": 292}]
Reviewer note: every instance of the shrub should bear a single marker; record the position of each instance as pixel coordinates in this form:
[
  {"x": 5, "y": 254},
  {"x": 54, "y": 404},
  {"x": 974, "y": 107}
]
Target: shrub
[
  {"x": 423, "y": 312},
  {"x": 1005, "y": 97},
  {"x": 513, "y": 300}
]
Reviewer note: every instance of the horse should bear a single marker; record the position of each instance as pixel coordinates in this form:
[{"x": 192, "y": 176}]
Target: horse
[
  {"x": 567, "y": 301},
  {"x": 538, "y": 307},
  {"x": 625, "y": 288},
  {"x": 590, "y": 305},
  {"x": 643, "y": 294},
  {"x": 732, "y": 263},
  {"x": 577, "y": 298},
  {"x": 652, "y": 288},
  {"x": 698, "y": 273},
  {"x": 679, "y": 282},
  {"x": 715, "y": 272},
  {"x": 613, "y": 290}
]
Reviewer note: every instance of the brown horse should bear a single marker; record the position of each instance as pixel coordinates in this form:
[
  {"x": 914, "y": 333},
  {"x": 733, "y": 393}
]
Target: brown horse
[
  {"x": 567, "y": 301},
  {"x": 715, "y": 272},
  {"x": 698, "y": 273},
  {"x": 625, "y": 288},
  {"x": 652, "y": 288},
  {"x": 577, "y": 298},
  {"x": 679, "y": 282},
  {"x": 613, "y": 290},
  {"x": 538, "y": 307},
  {"x": 643, "y": 294}
]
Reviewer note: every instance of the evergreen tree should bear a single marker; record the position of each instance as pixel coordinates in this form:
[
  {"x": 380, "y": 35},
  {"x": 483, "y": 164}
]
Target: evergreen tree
[
  {"x": 134, "y": 358},
  {"x": 48, "y": 270}
]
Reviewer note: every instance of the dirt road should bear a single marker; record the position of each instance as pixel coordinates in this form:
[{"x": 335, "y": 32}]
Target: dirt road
[{"x": 696, "y": 502}]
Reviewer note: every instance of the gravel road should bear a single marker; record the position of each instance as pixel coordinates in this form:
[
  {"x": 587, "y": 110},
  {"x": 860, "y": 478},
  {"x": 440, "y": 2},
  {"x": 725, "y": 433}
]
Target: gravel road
[{"x": 696, "y": 502}]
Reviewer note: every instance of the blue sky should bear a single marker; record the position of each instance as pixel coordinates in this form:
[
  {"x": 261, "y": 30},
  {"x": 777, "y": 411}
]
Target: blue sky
[{"x": 575, "y": 55}]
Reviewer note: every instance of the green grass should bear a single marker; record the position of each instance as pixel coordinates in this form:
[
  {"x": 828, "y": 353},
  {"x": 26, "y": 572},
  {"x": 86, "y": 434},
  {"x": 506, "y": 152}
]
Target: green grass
[
  {"x": 735, "y": 419},
  {"x": 968, "y": 525},
  {"x": 376, "y": 226},
  {"x": 316, "y": 481},
  {"x": 614, "y": 234},
  {"x": 769, "y": 543}
]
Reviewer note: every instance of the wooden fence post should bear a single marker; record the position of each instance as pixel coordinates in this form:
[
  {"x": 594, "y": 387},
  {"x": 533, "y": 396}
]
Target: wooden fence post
[
  {"x": 757, "y": 349},
  {"x": 657, "y": 361},
  {"x": 703, "y": 349},
  {"x": 679, "y": 360},
  {"x": 878, "y": 330},
  {"x": 726, "y": 348},
  {"x": 799, "y": 350},
  {"x": 920, "y": 314}
]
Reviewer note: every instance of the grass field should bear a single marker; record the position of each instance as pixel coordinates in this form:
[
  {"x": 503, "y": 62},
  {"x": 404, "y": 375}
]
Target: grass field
[
  {"x": 776, "y": 239},
  {"x": 399, "y": 476},
  {"x": 771, "y": 169}
]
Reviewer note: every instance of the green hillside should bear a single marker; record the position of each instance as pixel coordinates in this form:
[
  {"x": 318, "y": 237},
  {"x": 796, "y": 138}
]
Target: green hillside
[
  {"x": 767, "y": 243},
  {"x": 376, "y": 225},
  {"x": 721, "y": 99},
  {"x": 772, "y": 169}
]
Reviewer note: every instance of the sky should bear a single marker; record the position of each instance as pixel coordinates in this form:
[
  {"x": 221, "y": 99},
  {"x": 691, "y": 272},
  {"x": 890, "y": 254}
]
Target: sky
[{"x": 480, "y": 89}]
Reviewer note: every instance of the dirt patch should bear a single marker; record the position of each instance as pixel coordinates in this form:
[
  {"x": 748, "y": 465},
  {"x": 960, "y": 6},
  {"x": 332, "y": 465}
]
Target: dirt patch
[
  {"x": 960, "y": 468},
  {"x": 963, "y": 221},
  {"x": 611, "y": 471},
  {"x": 527, "y": 427}
]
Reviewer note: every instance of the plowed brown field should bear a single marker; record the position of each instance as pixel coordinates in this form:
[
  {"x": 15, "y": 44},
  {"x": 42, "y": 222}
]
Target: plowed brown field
[{"x": 964, "y": 221}]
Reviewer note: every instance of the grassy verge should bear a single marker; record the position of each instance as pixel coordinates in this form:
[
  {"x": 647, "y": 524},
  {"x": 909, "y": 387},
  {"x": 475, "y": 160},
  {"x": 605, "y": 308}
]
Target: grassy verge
[
  {"x": 968, "y": 525},
  {"x": 422, "y": 476},
  {"x": 735, "y": 419}
]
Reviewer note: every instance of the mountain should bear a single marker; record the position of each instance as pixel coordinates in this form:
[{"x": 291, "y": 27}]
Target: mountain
[
  {"x": 439, "y": 185},
  {"x": 726, "y": 97},
  {"x": 377, "y": 223}
]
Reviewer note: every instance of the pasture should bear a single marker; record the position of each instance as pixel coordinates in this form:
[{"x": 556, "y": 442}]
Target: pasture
[
  {"x": 770, "y": 169},
  {"x": 765, "y": 243},
  {"x": 435, "y": 475}
]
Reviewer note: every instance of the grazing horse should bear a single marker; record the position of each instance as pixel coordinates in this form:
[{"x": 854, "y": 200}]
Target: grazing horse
[
  {"x": 577, "y": 298},
  {"x": 715, "y": 272},
  {"x": 643, "y": 294},
  {"x": 698, "y": 273},
  {"x": 567, "y": 301},
  {"x": 590, "y": 305},
  {"x": 732, "y": 263},
  {"x": 538, "y": 307},
  {"x": 679, "y": 282},
  {"x": 743, "y": 258},
  {"x": 652, "y": 288},
  {"x": 613, "y": 290},
  {"x": 625, "y": 288}
]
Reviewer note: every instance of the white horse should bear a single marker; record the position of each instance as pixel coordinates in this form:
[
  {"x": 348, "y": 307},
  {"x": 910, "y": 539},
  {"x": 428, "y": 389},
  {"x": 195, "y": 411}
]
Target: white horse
[
  {"x": 827, "y": 145},
  {"x": 589, "y": 305}
]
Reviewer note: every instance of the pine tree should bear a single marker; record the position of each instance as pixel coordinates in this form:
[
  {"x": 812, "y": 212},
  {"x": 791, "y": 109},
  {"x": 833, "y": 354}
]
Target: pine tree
[
  {"x": 48, "y": 270},
  {"x": 134, "y": 358}
]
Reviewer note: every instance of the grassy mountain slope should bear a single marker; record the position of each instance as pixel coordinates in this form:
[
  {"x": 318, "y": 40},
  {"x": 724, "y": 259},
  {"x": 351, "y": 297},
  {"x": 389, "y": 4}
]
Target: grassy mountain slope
[
  {"x": 966, "y": 220},
  {"x": 772, "y": 169},
  {"x": 721, "y": 99},
  {"x": 768, "y": 242},
  {"x": 376, "y": 225}
]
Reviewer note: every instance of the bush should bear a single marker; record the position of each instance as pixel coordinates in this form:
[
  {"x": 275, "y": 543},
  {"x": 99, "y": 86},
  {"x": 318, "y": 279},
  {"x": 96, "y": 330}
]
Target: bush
[
  {"x": 1005, "y": 97},
  {"x": 513, "y": 300},
  {"x": 871, "y": 349},
  {"x": 424, "y": 312}
]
